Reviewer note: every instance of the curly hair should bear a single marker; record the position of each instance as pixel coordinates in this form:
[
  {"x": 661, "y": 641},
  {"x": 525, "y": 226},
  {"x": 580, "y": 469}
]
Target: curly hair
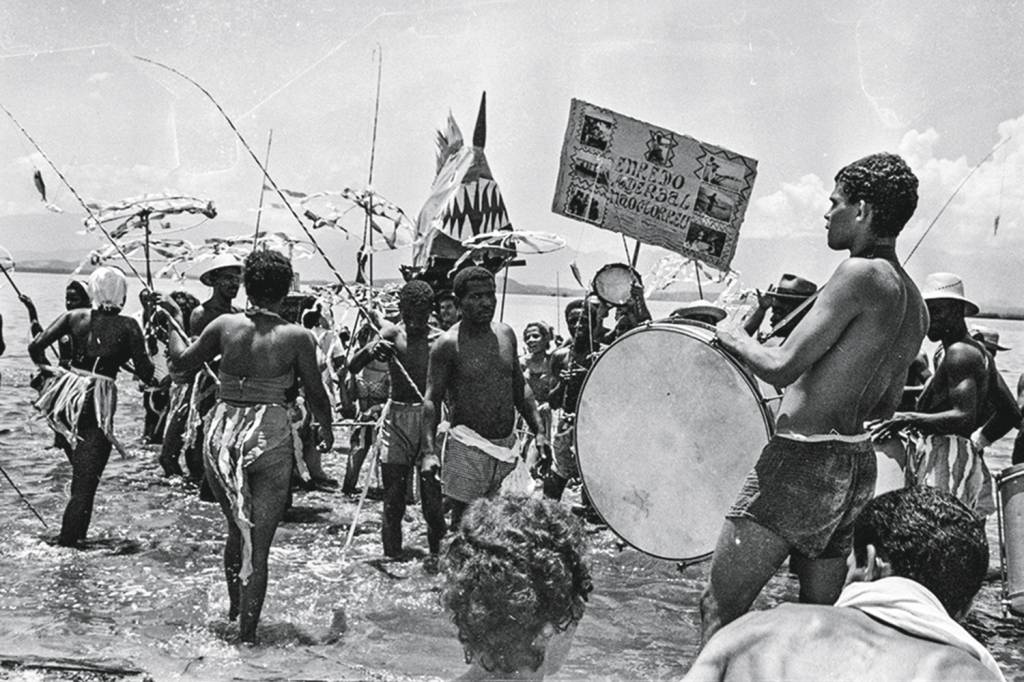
[
  {"x": 515, "y": 566},
  {"x": 886, "y": 182},
  {"x": 928, "y": 536},
  {"x": 473, "y": 273},
  {"x": 267, "y": 275},
  {"x": 416, "y": 295}
]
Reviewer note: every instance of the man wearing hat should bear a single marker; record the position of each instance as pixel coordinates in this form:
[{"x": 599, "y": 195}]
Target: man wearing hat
[
  {"x": 700, "y": 311},
  {"x": 953, "y": 404},
  {"x": 184, "y": 423},
  {"x": 224, "y": 275},
  {"x": 782, "y": 300}
]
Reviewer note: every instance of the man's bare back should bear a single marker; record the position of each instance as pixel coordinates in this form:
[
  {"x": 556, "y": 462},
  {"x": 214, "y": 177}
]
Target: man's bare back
[{"x": 807, "y": 642}]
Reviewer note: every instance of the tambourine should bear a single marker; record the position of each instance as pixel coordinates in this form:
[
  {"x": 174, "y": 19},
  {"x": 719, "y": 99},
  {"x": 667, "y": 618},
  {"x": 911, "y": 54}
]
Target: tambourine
[{"x": 614, "y": 283}]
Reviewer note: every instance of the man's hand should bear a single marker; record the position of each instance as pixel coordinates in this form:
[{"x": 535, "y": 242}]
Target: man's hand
[
  {"x": 29, "y": 305},
  {"x": 544, "y": 457},
  {"x": 383, "y": 350},
  {"x": 325, "y": 438},
  {"x": 430, "y": 465},
  {"x": 891, "y": 427},
  {"x": 732, "y": 341}
]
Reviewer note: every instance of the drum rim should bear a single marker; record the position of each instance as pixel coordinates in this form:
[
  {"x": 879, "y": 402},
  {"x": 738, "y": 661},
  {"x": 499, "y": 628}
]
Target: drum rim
[
  {"x": 1010, "y": 472},
  {"x": 748, "y": 378}
]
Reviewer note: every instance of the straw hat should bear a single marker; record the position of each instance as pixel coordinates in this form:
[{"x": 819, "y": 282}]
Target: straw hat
[
  {"x": 793, "y": 287},
  {"x": 220, "y": 262},
  {"x": 698, "y": 309},
  {"x": 945, "y": 286},
  {"x": 989, "y": 337}
]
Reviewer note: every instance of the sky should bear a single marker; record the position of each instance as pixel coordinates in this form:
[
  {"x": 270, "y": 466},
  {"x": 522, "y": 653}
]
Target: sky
[{"x": 803, "y": 87}]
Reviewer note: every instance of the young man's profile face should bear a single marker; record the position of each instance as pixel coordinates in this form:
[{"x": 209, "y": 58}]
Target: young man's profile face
[{"x": 840, "y": 220}]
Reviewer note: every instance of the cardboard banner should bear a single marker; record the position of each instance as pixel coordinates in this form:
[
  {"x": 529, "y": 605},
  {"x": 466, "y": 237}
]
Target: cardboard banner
[{"x": 652, "y": 184}]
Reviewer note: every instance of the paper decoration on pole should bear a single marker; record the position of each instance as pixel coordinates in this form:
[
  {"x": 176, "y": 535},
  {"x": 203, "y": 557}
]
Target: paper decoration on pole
[
  {"x": 390, "y": 227},
  {"x": 653, "y": 184},
  {"x": 137, "y": 211}
]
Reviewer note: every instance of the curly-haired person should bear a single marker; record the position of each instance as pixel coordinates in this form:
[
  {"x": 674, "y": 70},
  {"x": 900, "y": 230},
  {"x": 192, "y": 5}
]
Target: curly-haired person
[
  {"x": 516, "y": 583},
  {"x": 843, "y": 364},
  {"x": 250, "y": 444},
  {"x": 406, "y": 348},
  {"x": 920, "y": 556}
]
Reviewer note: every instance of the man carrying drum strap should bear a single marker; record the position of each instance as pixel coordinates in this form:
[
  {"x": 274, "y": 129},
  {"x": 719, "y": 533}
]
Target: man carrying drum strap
[{"x": 843, "y": 364}]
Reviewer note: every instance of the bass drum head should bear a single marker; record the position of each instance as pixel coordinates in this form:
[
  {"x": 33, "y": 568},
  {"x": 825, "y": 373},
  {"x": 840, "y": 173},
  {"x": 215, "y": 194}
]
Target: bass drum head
[{"x": 667, "y": 428}]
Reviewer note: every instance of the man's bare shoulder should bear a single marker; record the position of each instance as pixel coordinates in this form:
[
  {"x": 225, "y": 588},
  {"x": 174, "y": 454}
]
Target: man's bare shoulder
[{"x": 799, "y": 641}]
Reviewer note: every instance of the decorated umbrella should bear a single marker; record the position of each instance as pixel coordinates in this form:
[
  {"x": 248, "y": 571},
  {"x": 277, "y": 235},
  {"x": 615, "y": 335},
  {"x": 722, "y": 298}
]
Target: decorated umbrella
[
  {"x": 390, "y": 227},
  {"x": 136, "y": 214},
  {"x": 239, "y": 245}
]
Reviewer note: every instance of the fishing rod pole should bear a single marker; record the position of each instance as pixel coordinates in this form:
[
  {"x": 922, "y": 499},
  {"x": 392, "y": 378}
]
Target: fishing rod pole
[
  {"x": 291, "y": 209},
  {"x": 11, "y": 280},
  {"x": 23, "y": 498},
  {"x": 263, "y": 191},
  {"x": 952, "y": 196}
]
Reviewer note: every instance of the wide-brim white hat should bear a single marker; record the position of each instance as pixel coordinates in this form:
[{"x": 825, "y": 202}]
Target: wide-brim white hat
[
  {"x": 945, "y": 286},
  {"x": 219, "y": 262}
]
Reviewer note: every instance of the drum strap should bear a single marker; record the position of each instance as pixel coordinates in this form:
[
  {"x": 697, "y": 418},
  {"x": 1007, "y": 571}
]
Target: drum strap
[{"x": 799, "y": 310}]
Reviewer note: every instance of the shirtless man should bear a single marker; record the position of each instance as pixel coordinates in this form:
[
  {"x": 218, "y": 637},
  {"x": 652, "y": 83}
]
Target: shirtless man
[
  {"x": 894, "y": 619},
  {"x": 955, "y": 402},
  {"x": 408, "y": 342},
  {"x": 224, "y": 276},
  {"x": 476, "y": 364},
  {"x": 843, "y": 364}
]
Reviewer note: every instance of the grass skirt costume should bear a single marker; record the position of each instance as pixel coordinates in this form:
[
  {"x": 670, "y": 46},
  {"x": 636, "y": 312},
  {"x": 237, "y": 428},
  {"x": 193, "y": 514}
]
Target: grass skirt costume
[
  {"x": 65, "y": 395},
  {"x": 237, "y": 435}
]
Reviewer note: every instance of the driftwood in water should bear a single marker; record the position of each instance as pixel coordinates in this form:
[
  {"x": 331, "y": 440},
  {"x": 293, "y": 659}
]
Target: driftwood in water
[{"x": 115, "y": 668}]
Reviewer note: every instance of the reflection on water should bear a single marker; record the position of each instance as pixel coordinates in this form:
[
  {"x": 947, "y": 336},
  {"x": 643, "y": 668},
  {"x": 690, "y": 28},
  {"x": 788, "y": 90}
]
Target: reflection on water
[{"x": 149, "y": 593}]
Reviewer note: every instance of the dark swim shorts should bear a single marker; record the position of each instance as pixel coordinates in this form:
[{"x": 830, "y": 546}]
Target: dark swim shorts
[{"x": 809, "y": 492}]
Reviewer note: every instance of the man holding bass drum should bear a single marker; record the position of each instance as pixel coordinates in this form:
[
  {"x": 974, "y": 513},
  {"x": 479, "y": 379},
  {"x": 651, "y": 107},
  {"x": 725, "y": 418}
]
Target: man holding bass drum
[{"x": 844, "y": 364}]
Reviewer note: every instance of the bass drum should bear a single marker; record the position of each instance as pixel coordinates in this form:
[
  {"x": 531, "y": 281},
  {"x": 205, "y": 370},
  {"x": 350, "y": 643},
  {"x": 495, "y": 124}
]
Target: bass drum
[{"x": 667, "y": 427}]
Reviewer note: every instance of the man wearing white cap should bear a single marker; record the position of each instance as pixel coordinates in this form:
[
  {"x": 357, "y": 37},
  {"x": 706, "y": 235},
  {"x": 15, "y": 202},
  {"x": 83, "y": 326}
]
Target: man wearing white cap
[
  {"x": 184, "y": 423},
  {"x": 843, "y": 364},
  {"x": 224, "y": 275},
  {"x": 952, "y": 405}
]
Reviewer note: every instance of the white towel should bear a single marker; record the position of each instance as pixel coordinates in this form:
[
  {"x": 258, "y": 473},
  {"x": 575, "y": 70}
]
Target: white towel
[{"x": 911, "y": 607}]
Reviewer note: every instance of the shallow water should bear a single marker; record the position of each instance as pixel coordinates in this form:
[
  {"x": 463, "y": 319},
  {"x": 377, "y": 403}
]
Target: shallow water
[{"x": 150, "y": 594}]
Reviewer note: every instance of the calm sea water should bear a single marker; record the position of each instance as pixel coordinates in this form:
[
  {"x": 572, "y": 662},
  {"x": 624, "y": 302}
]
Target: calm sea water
[{"x": 151, "y": 595}]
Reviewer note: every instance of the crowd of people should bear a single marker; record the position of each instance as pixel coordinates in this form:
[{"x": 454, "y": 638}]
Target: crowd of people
[{"x": 449, "y": 402}]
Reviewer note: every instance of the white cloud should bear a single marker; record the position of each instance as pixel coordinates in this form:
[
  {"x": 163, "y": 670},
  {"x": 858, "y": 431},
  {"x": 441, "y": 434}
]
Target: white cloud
[
  {"x": 996, "y": 188},
  {"x": 98, "y": 77},
  {"x": 993, "y": 189},
  {"x": 794, "y": 210}
]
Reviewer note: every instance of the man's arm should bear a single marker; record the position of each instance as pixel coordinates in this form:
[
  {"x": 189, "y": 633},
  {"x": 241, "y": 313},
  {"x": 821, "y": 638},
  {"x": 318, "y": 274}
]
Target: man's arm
[
  {"x": 959, "y": 369},
  {"x": 41, "y": 342},
  {"x": 312, "y": 382},
  {"x": 838, "y": 304},
  {"x": 184, "y": 357},
  {"x": 1007, "y": 414},
  {"x": 379, "y": 349},
  {"x": 137, "y": 349},
  {"x": 439, "y": 372},
  {"x": 33, "y": 317}
]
